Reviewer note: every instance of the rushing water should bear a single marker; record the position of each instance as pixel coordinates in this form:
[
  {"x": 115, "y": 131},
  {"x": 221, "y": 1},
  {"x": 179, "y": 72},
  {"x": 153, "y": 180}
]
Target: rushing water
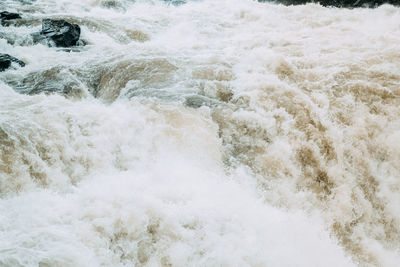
[{"x": 211, "y": 133}]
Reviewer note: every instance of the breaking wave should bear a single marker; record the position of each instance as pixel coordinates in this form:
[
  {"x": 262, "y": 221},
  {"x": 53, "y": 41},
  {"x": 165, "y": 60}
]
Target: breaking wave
[{"x": 206, "y": 133}]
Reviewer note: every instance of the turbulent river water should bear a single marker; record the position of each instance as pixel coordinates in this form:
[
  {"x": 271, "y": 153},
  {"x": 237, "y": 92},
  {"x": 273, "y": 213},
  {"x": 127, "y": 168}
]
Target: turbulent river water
[{"x": 209, "y": 133}]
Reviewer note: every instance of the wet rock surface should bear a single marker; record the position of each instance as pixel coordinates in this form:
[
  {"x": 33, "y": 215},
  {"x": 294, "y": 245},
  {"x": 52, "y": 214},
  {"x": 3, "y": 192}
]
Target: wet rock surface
[
  {"x": 63, "y": 80},
  {"x": 58, "y": 33},
  {"x": 6, "y": 17},
  {"x": 6, "y": 62}
]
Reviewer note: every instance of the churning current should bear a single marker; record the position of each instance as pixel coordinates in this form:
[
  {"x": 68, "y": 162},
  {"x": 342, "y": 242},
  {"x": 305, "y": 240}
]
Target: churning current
[{"x": 206, "y": 133}]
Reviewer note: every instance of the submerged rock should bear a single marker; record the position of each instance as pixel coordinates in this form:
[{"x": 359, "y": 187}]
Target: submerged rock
[
  {"x": 62, "y": 80},
  {"x": 6, "y": 17},
  {"x": 176, "y": 2},
  {"x": 337, "y": 3},
  {"x": 197, "y": 101},
  {"x": 58, "y": 33},
  {"x": 7, "y": 60},
  {"x": 56, "y": 80}
]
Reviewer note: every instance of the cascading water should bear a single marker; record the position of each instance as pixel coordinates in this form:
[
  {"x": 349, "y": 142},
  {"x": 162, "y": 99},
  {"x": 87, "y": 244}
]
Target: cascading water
[{"x": 206, "y": 133}]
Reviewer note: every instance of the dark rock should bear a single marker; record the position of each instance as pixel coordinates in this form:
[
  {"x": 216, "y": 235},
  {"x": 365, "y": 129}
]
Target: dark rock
[
  {"x": 337, "y": 3},
  {"x": 58, "y": 33},
  {"x": 7, "y": 60},
  {"x": 6, "y": 17}
]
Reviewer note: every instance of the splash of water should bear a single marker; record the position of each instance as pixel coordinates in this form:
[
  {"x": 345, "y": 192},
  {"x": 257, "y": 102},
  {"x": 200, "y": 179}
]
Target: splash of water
[{"x": 210, "y": 133}]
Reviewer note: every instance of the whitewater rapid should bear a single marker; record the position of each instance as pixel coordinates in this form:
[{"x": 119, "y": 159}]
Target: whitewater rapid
[{"x": 209, "y": 133}]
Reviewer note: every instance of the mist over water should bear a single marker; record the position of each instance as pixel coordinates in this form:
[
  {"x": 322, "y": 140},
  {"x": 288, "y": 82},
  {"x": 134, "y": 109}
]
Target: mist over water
[{"x": 209, "y": 133}]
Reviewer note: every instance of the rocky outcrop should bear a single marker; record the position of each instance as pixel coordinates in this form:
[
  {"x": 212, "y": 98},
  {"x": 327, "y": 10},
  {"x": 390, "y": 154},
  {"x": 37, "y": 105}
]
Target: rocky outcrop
[
  {"x": 60, "y": 79},
  {"x": 7, "y": 60},
  {"x": 6, "y": 17},
  {"x": 337, "y": 3},
  {"x": 58, "y": 33}
]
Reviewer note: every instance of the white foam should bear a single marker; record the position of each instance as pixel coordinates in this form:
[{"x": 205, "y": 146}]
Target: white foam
[{"x": 296, "y": 165}]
